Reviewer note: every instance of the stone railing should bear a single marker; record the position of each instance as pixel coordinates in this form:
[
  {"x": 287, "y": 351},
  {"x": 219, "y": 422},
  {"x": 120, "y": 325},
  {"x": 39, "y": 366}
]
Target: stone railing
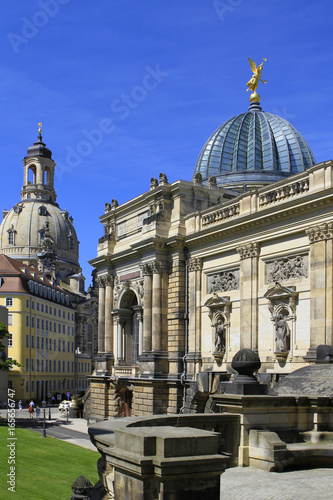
[
  {"x": 221, "y": 214},
  {"x": 284, "y": 192},
  {"x": 124, "y": 371}
]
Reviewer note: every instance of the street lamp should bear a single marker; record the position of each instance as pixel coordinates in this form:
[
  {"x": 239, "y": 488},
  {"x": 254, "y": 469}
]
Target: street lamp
[
  {"x": 44, "y": 429},
  {"x": 49, "y": 398}
]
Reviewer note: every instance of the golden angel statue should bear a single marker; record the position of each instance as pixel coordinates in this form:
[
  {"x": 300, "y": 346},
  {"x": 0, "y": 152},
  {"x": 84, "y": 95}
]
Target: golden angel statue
[{"x": 253, "y": 83}]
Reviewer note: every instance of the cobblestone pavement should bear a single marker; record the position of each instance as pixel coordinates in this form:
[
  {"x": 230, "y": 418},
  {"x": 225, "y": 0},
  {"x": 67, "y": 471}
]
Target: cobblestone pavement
[{"x": 247, "y": 483}]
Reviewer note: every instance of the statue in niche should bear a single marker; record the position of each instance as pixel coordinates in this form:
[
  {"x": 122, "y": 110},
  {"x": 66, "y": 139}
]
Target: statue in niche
[
  {"x": 219, "y": 336},
  {"x": 282, "y": 333}
]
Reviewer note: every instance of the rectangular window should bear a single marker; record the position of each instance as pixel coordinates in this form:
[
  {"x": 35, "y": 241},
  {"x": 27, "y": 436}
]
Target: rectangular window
[
  {"x": 27, "y": 321},
  {"x": 64, "y": 314},
  {"x": 54, "y": 365},
  {"x": 38, "y": 322},
  {"x": 54, "y": 385},
  {"x": 27, "y": 303},
  {"x": 50, "y": 326},
  {"x": 63, "y": 366},
  {"x": 64, "y": 329},
  {"x": 27, "y": 386},
  {"x": 54, "y": 311},
  {"x": 54, "y": 345},
  {"x": 32, "y": 386},
  {"x": 63, "y": 346},
  {"x": 27, "y": 340},
  {"x": 72, "y": 347},
  {"x": 42, "y": 323},
  {"x": 59, "y": 313},
  {"x": 59, "y": 345},
  {"x": 47, "y": 344},
  {"x": 46, "y": 325},
  {"x": 55, "y": 327},
  {"x": 50, "y": 344},
  {"x": 68, "y": 316},
  {"x": 42, "y": 343},
  {"x": 32, "y": 322},
  {"x": 32, "y": 305},
  {"x": 46, "y": 365},
  {"x": 42, "y": 308},
  {"x": 72, "y": 367},
  {"x": 68, "y": 347},
  {"x": 10, "y": 320},
  {"x": 59, "y": 366},
  {"x": 42, "y": 365},
  {"x": 32, "y": 364},
  {"x": 37, "y": 341},
  {"x": 72, "y": 331},
  {"x": 37, "y": 306},
  {"x": 10, "y": 340},
  {"x": 59, "y": 328},
  {"x": 72, "y": 384},
  {"x": 68, "y": 366},
  {"x": 26, "y": 364},
  {"x": 72, "y": 317},
  {"x": 50, "y": 366},
  {"x": 9, "y": 302},
  {"x": 68, "y": 330},
  {"x": 32, "y": 342},
  {"x": 47, "y": 309}
]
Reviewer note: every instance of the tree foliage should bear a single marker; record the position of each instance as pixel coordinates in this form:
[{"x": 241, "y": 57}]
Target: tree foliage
[{"x": 5, "y": 363}]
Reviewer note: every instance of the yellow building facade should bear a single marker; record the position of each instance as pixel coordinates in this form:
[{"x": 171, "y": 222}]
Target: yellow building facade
[{"x": 41, "y": 324}]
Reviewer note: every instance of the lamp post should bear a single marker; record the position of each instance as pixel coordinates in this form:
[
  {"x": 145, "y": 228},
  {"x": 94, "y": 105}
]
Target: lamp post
[
  {"x": 44, "y": 429},
  {"x": 49, "y": 398}
]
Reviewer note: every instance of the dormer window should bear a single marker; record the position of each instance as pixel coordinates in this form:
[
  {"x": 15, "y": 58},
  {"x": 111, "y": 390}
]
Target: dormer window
[
  {"x": 43, "y": 211},
  {"x": 11, "y": 235}
]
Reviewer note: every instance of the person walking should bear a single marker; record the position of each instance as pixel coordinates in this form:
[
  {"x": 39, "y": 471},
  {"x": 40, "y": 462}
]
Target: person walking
[
  {"x": 37, "y": 411},
  {"x": 31, "y": 411},
  {"x": 20, "y": 405}
]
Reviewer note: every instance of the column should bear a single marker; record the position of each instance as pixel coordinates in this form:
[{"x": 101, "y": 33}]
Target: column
[
  {"x": 147, "y": 307},
  {"x": 108, "y": 316},
  {"x": 249, "y": 255},
  {"x": 101, "y": 315},
  {"x": 140, "y": 317},
  {"x": 321, "y": 297},
  {"x": 157, "y": 307}
]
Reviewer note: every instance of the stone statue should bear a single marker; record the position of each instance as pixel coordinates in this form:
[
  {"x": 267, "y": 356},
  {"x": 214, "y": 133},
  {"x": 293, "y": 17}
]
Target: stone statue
[
  {"x": 219, "y": 336},
  {"x": 254, "y": 82},
  {"x": 282, "y": 334}
]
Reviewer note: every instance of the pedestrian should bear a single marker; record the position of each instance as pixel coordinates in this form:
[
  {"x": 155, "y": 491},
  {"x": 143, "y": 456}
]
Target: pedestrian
[
  {"x": 53, "y": 400},
  {"x": 32, "y": 403},
  {"x": 37, "y": 411},
  {"x": 20, "y": 405},
  {"x": 31, "y": 411}
]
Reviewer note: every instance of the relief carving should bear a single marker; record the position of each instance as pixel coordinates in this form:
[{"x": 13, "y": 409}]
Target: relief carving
[
  {"x": 223, "y": 282},
  {"x": 320, "y": 232},
  {"x": 249, "y": 250},
  {"x": 287, "y": 268}
]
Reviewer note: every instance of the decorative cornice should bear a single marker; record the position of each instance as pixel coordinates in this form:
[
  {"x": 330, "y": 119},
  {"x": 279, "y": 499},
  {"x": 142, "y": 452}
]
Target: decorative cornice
[
  {"x": 320, "y": 232},
  {"x": 249, "y": 250}
]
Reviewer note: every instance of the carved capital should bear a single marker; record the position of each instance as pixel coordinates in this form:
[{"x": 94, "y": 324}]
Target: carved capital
[
  {"x": 249, "y": 250},
  {"x": 145, "y": 269},
  {"x": 158, "y": 267},
  {"x": 195, "y": 264},
  {"x": 320, "y": 232}
]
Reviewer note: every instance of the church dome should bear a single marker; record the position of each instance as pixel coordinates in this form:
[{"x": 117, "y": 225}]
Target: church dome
[
  {"x": 253, "y": 149},
  {"x": 32, "y": 223}
]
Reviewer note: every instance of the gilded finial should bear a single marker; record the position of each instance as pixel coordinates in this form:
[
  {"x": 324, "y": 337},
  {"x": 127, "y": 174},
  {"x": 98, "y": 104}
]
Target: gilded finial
[
  {"x": 40, "y": 128},
  {"x": 254, "y": 82}
]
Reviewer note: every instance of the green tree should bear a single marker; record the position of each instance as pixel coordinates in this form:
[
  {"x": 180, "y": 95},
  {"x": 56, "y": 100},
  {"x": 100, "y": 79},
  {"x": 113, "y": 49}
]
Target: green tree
[{"x": 5, "y": 364}]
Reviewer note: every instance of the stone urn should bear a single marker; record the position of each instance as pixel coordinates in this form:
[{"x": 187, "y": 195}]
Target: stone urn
[{"x": 246, "y": 362}]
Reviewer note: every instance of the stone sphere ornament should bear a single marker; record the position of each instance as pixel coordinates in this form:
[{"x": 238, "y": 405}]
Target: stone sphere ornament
[{"x": 246, "y": 362}]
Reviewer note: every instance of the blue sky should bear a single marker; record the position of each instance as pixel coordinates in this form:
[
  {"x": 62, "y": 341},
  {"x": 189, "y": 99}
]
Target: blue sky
[{"x": 128, "y": 89}]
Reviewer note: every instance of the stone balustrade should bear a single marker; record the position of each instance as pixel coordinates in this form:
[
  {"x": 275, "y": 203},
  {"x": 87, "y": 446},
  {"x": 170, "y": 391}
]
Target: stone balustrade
[
  {"x": 284, "y": 192},
  {"x": 221, "y": 214}
]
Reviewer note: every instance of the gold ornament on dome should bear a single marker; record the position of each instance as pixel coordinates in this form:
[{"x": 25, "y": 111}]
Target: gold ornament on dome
[
  {"x": 254, "y": 82},
  {"x": 40, "y": 128}
]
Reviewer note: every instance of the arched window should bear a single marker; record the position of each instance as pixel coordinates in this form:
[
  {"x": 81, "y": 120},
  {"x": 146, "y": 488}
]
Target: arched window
[
  {"x": 43, "y": 210},
  {"x": 11, "y": 235},
  {"x": 32, "y": 174}
]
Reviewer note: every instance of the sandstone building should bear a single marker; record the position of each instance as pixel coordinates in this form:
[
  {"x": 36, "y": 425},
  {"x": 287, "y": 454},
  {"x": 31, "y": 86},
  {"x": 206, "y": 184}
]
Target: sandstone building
[
  {"x": 191, "y": 272},
  {"x": 42, "y": 282}
]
